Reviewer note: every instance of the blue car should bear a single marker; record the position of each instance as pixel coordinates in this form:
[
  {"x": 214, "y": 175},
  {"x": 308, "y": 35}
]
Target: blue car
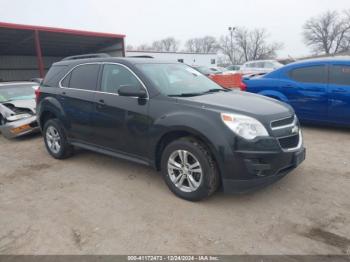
[{"x": 318, "y": 89}]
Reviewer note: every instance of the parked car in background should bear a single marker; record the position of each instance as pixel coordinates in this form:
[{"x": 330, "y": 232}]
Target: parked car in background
[
  {"x": 207, "y": 71},
  {"x": 229, "y": 81},
  {"x": 318, "y": 89},
  {"x": 17, "y": 108},
  {"x": 259, "y": 66},
  {"x": 218, "y": 69},
  {"x": 233, "y": 69},
  {"x": 171, "y": 117}
]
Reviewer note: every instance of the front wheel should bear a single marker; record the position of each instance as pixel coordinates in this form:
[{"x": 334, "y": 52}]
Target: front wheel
[{"x": 189, "y": 169}]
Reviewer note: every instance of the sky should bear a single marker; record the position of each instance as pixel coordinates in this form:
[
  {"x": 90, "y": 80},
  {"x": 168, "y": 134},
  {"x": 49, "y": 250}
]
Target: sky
[{"x": 143, "y": 21}]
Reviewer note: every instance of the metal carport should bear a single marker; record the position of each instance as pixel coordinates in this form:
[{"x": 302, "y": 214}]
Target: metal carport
[{"x": 28, "y": 51}]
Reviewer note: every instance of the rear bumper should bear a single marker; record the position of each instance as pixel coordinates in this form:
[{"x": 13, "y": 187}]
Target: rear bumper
[
  {"x": 264, "y": 169},
  {"x": 20, "y": 127}
]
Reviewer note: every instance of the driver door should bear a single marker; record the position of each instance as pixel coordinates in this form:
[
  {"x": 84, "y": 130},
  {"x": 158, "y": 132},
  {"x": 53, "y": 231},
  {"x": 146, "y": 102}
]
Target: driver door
[{"x": 120, "y": 123}]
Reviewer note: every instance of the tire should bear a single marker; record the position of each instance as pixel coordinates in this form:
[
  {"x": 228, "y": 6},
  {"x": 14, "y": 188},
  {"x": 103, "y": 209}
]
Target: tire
[
  {"x": 185, "y": 182},
  {"x": 55, "y": 140}
]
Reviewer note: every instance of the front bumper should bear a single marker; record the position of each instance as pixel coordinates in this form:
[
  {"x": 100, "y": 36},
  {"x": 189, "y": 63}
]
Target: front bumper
[
  {"x": 20, "y": 127},
  {"x": 263, "y": 168}
]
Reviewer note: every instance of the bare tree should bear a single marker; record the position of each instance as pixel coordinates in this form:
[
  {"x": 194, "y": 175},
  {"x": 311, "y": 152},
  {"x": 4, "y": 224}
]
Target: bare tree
[
  {"x": 129, "y": 47},
  {"x": 169, "y": 44},
  {"x": 254, "y": 45},
  {"x": 230, "y": 50},
  {"x": 245, "y": 45},
  {"x": 144, "y": 47},
  {"x": 328, "y": 33},
  {"x": 206, "y": 44}
]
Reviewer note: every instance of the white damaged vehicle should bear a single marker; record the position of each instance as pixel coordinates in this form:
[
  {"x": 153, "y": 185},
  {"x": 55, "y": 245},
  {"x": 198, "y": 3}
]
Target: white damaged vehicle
[{"x": 17, "y": 109}]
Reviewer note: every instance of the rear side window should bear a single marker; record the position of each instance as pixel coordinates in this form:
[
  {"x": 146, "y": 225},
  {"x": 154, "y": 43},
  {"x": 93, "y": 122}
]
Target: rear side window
[
  {"x": 311, "y": 74},
  {"x": 82, "y": 77},
  {"x": 115, "y": 76},
  {"x": 339, "y": 75},
  {"x": 54, "y": 75}
]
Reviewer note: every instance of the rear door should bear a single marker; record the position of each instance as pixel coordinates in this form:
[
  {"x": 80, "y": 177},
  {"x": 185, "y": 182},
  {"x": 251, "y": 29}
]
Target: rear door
[
  {"x": 77, "y": 94},
  {"x": 339, "y": 93},
  {"x": 120, "y": 123},
  {"x": 306, "y": 89}
]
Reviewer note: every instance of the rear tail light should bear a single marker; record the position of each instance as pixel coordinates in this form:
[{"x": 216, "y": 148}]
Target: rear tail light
[
  {"x": 243, "y": 86},
  {"x": 37, "y": 95}
]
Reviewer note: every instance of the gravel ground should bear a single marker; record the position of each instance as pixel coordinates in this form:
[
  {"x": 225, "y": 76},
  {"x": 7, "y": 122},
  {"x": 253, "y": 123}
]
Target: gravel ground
[{"x": 95, "y": 204}]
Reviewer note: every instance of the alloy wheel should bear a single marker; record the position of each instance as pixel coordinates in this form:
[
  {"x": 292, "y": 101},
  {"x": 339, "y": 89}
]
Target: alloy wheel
[
  {"x": 185, "y": 171},
  {"x": 53, "y": 139}
]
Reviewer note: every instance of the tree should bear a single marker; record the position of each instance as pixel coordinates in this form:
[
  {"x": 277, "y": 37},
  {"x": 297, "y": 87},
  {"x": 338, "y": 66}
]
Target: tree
[
  {"x": 144, "y": 47},
  {"x": 254, "y": 46},
  {"x": 230, "y": 50},
  {"x": 246, "y": 45},
  {"x": 206, "y": 44},
  {"x": 169, "y": 44},
  {"x": 328, "y": 33}
]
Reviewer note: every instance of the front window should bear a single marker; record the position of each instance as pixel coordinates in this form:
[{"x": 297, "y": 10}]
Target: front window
[
  {"x": 116, "y": 76},
  {"x": 178, "y": 79},
  {"x": 17, "y": 92}
]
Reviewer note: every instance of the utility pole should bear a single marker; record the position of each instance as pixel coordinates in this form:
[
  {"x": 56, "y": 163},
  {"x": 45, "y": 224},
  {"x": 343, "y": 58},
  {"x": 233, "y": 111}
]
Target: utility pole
[{"x": 231, "y": 30}]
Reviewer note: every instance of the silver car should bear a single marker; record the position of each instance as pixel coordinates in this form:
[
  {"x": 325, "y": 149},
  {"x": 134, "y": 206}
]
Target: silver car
[
  {"x": 259, "y": 67},
  {"x": 17, "y": 109}
]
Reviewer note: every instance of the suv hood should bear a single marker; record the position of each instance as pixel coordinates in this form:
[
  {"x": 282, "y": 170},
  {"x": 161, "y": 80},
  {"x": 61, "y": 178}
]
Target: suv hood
[{"x": 257, "y": 106}]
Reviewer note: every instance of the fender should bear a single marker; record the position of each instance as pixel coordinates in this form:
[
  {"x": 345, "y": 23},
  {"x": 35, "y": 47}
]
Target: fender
[
  {"x": 52, "y": 105},
  {"x": 274, "y": 94},
  {"x": 178, "y": 121}
]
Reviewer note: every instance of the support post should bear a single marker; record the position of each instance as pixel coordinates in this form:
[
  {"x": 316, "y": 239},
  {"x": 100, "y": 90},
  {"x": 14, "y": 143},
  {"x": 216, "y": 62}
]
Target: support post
[{"x": 39, "y": 54}]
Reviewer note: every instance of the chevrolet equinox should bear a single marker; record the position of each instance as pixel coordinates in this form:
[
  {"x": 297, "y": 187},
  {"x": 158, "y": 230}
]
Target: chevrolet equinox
[{"x": 171, "y": 117}]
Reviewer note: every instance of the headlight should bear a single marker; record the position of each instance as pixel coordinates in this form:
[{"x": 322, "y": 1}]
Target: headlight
[
  {"x": 17, "y": 117},
  {"x": 244, "y": 126}
]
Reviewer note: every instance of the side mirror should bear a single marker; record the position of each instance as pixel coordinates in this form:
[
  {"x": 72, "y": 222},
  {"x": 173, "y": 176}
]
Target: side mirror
[{"x": 134, "y": 91}]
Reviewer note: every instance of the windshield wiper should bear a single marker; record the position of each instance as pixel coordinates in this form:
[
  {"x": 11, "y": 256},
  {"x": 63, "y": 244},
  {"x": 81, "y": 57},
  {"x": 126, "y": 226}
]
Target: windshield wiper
[
  {"x": 187, "y": 94},
  {"x": 215, "y": 90}
]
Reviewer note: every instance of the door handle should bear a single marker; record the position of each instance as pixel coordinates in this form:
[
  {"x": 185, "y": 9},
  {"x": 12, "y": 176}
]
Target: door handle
[
  {"x": 287, "y": 86},
  {"x": 101, "y": 101}
]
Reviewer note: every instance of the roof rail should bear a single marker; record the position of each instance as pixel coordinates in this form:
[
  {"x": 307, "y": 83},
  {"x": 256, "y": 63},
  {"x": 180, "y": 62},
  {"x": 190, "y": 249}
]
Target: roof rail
[{"x": 75, "y": 57}]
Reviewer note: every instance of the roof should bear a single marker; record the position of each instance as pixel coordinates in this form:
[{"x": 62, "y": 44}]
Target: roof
[
  {"x": 123, "y": 60},
  {"x": 322, "y": 59},
  {"x": 18, "y": 39},
  {"x": 164, "y": 52}
]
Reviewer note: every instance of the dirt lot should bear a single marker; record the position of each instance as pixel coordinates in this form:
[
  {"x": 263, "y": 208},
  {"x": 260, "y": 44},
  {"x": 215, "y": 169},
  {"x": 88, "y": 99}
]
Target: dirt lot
[{"x": 95, "y": 204}]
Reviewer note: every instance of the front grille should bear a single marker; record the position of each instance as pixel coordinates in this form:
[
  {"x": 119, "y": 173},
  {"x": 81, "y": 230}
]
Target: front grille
[
  {"x": 289, "y": 142},
  {"x": 282, "y": 122}
]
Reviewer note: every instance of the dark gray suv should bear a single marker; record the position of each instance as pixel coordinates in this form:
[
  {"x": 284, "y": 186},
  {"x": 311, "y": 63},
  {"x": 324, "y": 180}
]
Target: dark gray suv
[{"x": 169, "y": 116}]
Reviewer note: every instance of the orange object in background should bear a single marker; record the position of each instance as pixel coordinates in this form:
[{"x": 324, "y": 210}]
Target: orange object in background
[{"x": 229, "y": 81}]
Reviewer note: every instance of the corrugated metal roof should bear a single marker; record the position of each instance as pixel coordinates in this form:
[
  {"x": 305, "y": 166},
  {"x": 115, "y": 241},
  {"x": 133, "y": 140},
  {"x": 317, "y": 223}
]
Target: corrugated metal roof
[{"x": 17, "y": 39}]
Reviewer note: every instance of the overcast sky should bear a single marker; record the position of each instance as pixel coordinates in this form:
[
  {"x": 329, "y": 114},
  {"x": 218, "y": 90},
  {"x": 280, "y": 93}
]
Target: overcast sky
[{"x": 143, "y": 21}]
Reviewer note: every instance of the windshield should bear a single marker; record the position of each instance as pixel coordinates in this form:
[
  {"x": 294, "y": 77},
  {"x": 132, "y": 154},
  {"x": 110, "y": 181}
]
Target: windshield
[
  {"x": 178, "y": 79},
  {"x": 17, "y": 92}
]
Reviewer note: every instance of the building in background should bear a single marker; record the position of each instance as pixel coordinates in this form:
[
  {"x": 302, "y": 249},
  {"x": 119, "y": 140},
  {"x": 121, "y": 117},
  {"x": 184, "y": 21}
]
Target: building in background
[
  {"x": 192, "y": 59},
  {"x": 28, "y": 51}
]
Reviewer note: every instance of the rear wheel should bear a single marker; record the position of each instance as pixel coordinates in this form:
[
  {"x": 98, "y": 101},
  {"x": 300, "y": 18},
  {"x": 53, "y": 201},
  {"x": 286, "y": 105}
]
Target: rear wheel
[
  {"x": 189, "y": 169},
  {"x": 55, "y": 140}
]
